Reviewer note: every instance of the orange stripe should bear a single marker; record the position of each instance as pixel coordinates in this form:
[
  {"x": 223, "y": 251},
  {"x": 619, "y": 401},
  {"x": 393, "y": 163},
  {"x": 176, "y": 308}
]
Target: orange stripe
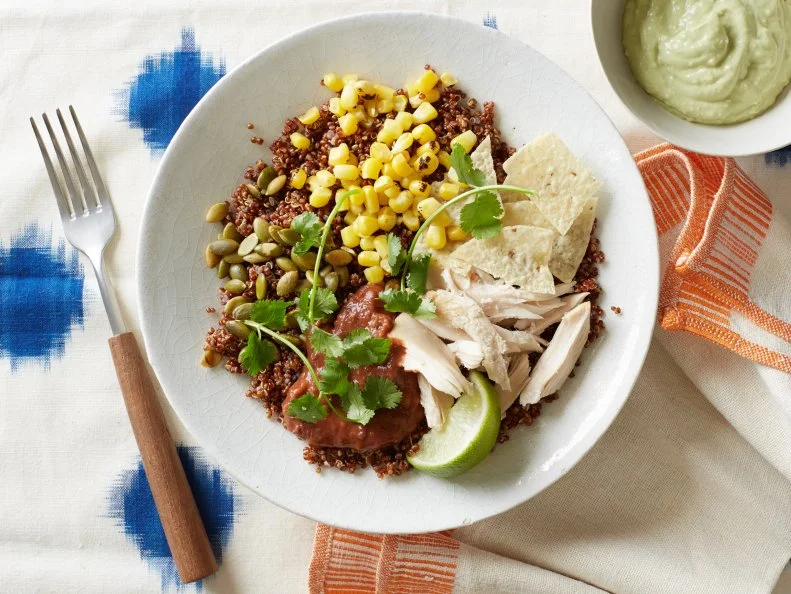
[
  {"x": 755, "y": 195},
  {"x": 703, "y": 312},
  {"x": 732, "y": 262},
  {"x": 760, "y": 232},
  {"x": 360, "y": 535},
  {"x": 752, "y": 214},
  {"x": 700, "y": 298},
  {"x": 405, "y": 559},
  {"x": 726, "y": 271},
  {"x": 738, "y": 247}
]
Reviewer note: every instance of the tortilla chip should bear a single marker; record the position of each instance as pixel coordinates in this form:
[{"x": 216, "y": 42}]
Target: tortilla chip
[
  {"x": 481, "y": 159},
  {"x": 563, "y": 185},
  {"x": 567, "y": 250},
  {"x": 519, "y": 255}
]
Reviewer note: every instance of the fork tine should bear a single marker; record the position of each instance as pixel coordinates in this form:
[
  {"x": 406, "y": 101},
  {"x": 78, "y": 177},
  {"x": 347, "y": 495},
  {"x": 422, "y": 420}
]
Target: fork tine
[
  {"x": 63, "y": 203},
  {"x": 87, "y": 189},
  {"x": 97, "y": 178},
  {"x": 63, "y": 165}
]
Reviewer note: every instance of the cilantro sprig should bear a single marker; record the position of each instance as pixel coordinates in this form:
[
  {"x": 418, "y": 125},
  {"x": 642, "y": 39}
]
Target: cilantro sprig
[{"x": 308, "y": 225}]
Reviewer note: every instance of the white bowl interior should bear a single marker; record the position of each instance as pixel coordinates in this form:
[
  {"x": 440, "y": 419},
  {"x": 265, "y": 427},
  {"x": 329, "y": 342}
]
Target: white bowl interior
[
  {"x": 204, "y": 163},
  {"x": 769, "y": 131}
]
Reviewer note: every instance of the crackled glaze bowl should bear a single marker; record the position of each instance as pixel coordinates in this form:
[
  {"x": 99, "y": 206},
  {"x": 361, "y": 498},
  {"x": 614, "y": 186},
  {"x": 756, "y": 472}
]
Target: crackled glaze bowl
[{"x": 203, "y": 164}]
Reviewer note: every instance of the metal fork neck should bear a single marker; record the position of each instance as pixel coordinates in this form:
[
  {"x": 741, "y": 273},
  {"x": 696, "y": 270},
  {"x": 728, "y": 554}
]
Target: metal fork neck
[{"x": 108, "y": 294}]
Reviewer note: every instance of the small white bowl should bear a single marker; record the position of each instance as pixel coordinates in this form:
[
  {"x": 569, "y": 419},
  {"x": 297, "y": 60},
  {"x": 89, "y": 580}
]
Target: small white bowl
[{"x": 767, "y": 132}]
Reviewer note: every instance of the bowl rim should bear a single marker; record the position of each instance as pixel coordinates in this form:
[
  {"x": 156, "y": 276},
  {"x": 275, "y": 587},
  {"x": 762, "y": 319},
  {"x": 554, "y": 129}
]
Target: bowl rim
[
  {"x": 670, "y": 137},
  {"x": 646, "y": 324}
]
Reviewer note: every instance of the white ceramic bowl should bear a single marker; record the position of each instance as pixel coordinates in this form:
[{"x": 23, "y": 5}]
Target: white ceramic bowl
[
  {"x": 767, "y": 132},
  {"x": 204, "y": 163}
]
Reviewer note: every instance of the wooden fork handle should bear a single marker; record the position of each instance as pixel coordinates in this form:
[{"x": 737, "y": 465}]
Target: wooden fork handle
[{"x": 186, "y": 535}]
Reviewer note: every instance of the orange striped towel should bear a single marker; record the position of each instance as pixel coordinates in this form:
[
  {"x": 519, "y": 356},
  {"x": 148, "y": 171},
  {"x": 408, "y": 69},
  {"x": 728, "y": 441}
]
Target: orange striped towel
[{"x": 651, "y": 507}]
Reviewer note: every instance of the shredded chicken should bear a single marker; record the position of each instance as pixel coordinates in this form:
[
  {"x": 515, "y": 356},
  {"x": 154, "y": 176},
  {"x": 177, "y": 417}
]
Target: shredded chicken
[
  {"x": 436, "y": 404},
  {"x": 553, "y": 316},
  {"x": 519, "y": 372},
  {"x": 429, "y": 356},
  {"x": 557, "y": 361},
  {"x": 517, "y": 341},
  {"x": 444, "y": 329},
  {"x": 468, "y": 352}
]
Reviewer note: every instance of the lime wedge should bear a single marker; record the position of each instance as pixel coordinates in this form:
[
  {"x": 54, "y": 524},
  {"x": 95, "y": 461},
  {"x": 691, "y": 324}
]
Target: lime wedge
[{"x": 468, "y": 435}]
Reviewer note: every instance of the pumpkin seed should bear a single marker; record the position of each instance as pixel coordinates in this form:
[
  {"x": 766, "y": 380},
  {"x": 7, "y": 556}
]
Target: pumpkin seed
[
  {"x": 212, "y": 259},
  {"x": 304, "y": 262},
  {"x": 291, "y": 319},
  {"x": 274, "y": 232},
  {"x": 231, "y": 232},
  {"x": 297, "y": 341},
  {"x": 393, "y": 284},
  {"x": 234, "y": 286},
  {"x": 253, "y": 189},
  {"x": 288, "y": 237},
  {"x": 233, "y": 259},
  {"x": 248, "y": 244},
  {"x": 303, "y": 285},
  {"x": 343, "y": 275},
  {"x": 285, "y": 264},
  {"x": 325, "y": 270},
  {"x": 233, "y": 303},
  {"x": 243, "y": 311},
  {"x": 210, "y": 358},
  {"x": 260, "y": 287},
  {"x": 238, "y": 272},
  {"x": 223, "y": 268},
  {"x": 223, "y": 247},
  {"x": 267, "y": 175},
  {"x": 309, "y": 276},
  {"x": 217, "y": 212},
  {"x": 275, "y": 185},
  {"x": 238, "y": 329},
  {"x": 254, "y": 258},
  {"x": 287, "y": 283},
  {"x": 349, "y": 250},
  {"x": 331, "y": 281},
  {"x": 338, "y": 257},
  {"x": 269, "y": 250},
  {"x": 261, "y": 228}
]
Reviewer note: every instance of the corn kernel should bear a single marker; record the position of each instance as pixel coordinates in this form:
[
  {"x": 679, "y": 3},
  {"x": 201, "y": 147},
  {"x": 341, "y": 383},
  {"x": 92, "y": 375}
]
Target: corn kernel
[
  {"x": 415, "y": 101},
  {"x": 349, "y": 237},
  {"x": 466, "y": 139},
  {"x": 298, "y": 178},
  {"x": 380, "y": 245},
  {"x": 429, "y": 147},
  {"x": 333, "y": 82},
  {"x": 436, "y": 237},
  {"x": 388, "y": 171},
  {"x": 349, "y": 96},
  {"x": 402, "y": 202},
  {"x": 448, "y": 190},
  {"x": 371, "y": 200},
  {"x": 383, "y": 199},
  {"x": 347, "y": 172},
  {"x": 338, "y": 154},
  {"x": 426, "y": 81},
  {"x": 383, "y": 182},
  {"x": 386, "y": 218},
  {"x": 368, "y": 258},
  {"x": 313, "y": 183},
  {"x": 425, "y": 112},
  {"x": 411, "y": 89},
  {"x": 432, "y": 96},
  {"x": 336, "y": 108},
  {"x": 411, "y": 221},
  {"x": 403, "y": 142},
  {"x": 365, "y": 89},
  {"x": 444, "y": 159},
  {"x": 358, "y": 111},
  {"x": 374, "y": 274},
  {"x": 419, "y": 188},
  {"x": 349, "y": 218},
  {"x": 367, "y": 243},
  {"x": 348, "y": 124},
  {"x": 384, "y": 105},
  {"x": 401, "y": 165},
  {"x": 427, "y": 163},
  {"x": 389, "y": 132},
  {"x": 456, "y": 233},
  {"x": 357, "y": 199},
  {"x": 392, "y": 192},
  {"x": 429, "y": 206},
  {"x": 448, "y": 79},
  {"x": 405, "y": 119},
  {"x": 366, "y": 225},
  {"x": 310, "y": 116},
  {"x": 384, "y": 92},
  {"x": 380, "y": 152},
  {"x": 341, "y": 195},
  {"x": 386, "y": 267},
  {"x": 400, "y": 103},
  {"x": 300, "y": 141},
  {"x": 370, "y": 108},
  {"x": 370, "y": 168},
  {"x": 423, "y": 133},
  {"x": 350, "y": 78},
  {"x": 320, "y": 197},
  {"x": 405, "y": 181},
  {"x": 356, "y": 209},
  {"x": 324, "y": 178},
  {"x": 352, "y": 160}
]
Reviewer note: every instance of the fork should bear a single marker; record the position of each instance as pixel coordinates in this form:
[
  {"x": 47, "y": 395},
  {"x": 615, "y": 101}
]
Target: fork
[{"x": 89, "y": 224}]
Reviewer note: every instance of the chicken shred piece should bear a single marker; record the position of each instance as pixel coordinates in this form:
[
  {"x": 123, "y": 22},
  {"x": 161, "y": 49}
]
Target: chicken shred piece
[
  {"x": 468, "y": 352},
  {"x": 444, "y": 330},
  {"x": 519, "y": 372},
  {"x": 436, "y": 404},
  {"x": 517, "y": 341}
]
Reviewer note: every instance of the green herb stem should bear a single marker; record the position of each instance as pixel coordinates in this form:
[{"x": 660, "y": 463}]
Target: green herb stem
[{"x": 450, "y": 202}]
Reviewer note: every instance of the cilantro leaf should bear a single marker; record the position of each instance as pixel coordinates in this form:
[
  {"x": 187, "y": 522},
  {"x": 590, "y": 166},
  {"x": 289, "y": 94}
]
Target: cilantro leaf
[
  {"x": 324, "y": 305},
  {"x": 308, "y": 408},
  {"x": 326, "y": 343},
  {"x": 396, "y": 254},
  {"x": 380, "y": 392},
  {"x": 418, "y": 273},
  {"x": 334, "y": 379},
  {"x": 408, "y": 302},
  {"x": 480, "y": 217},
  {"x": 309, "y": 226},
  {"x": 360, "y": 348},
  {"x": 462, "y": 165},
  {"x": 353, "y": 404},
  {"x": 270, "y": 313},
  {"x": 257, "y": 354}
]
